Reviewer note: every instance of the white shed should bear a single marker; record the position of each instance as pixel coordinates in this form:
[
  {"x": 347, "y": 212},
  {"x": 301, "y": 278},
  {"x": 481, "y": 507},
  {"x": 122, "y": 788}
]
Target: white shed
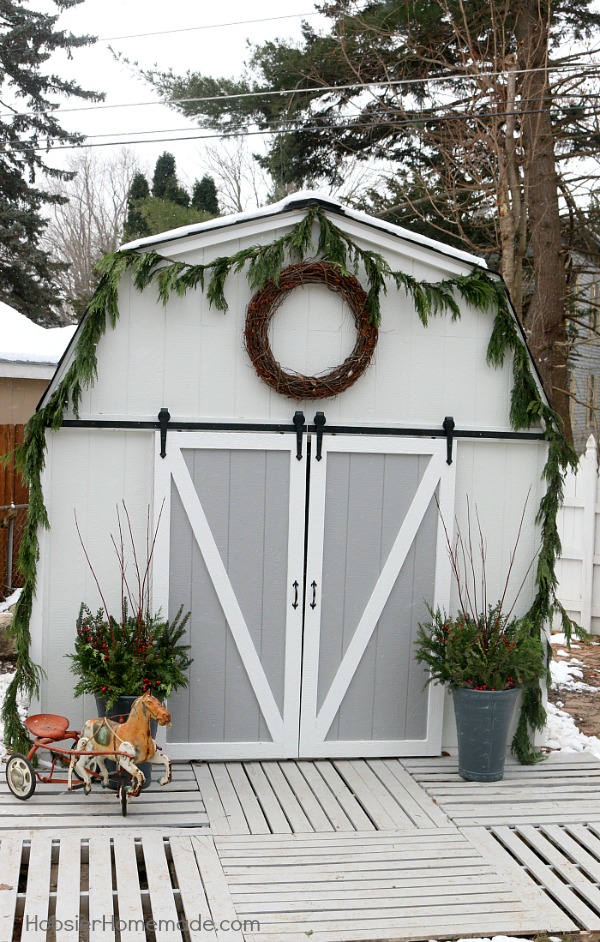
[{"x": 299, "y": 523}]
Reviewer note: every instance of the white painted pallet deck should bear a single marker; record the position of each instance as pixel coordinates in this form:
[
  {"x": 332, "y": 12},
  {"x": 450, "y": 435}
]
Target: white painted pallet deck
[
  {"x": 417, "y": 884},
  {"x": 302, "y": 796},
  {"x": 111, "y": 884},
  {"x": 347, "y": 850},
  {"x": 564, "y": 860},
  {"x": 179, "y": 804},
  {"x": 563, "y": 789}
]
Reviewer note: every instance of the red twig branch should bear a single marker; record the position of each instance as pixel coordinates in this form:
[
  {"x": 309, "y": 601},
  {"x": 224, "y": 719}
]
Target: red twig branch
[
  {"x": 85, "y": 552},
  {"x": 462, "y": 564}
]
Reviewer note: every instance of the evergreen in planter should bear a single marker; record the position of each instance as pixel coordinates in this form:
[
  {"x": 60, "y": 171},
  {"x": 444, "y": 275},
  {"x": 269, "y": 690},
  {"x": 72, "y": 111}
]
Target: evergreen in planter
[
  {"x": 485, "y": 657},
  {"x": 119, "y": 659},
  {"x": 127, "y": 657}
]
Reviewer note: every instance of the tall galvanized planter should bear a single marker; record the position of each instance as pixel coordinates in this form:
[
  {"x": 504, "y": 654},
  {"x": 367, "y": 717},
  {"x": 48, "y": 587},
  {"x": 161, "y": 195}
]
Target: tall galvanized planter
[{"x": 483, "y": 720}]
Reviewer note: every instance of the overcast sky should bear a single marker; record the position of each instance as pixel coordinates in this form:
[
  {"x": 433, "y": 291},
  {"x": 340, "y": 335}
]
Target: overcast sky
[{"x": 204, "y": 42}]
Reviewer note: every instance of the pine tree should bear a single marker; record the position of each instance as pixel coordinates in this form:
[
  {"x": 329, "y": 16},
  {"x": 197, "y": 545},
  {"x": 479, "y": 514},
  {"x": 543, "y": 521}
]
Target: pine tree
[
  {"x": 480, "y": 114},
  {"x": 164, "y": 174},
  {"x": 204, "y": 195},
  {"x": 167, "y": 206},
  {"x": 136, "y": 226},
  {"x": 28, "y": 125},
  {"x": 165, "y": 184},
  {"x": 139, "y": 188}
]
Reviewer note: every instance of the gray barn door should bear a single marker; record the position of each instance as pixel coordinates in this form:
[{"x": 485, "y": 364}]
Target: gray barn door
[
  {"x": 302, "y": 648},
  {"x": 228, "y": 554},
  {"x": 376, "y": 558}
]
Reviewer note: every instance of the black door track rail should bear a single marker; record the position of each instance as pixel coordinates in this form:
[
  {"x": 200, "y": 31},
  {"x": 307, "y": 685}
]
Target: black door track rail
[{"x": 164, "y": 424}]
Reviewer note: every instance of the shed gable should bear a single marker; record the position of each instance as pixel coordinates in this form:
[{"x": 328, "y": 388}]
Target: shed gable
[{"x": 185, "y": 353}]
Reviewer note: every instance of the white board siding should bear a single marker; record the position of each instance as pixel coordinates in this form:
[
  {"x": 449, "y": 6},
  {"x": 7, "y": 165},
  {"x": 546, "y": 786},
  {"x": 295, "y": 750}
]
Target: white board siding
[
  {"x": 191, "y": 358},
  {"x": 417, "y": 376},
  {"x": 90, "y": 474},
  {"x": 496, "y": 476}
]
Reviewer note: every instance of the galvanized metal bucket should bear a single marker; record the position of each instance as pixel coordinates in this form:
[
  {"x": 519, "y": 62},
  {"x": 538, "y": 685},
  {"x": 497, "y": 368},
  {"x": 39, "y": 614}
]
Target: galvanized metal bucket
[{"x": 483, "y": 720}]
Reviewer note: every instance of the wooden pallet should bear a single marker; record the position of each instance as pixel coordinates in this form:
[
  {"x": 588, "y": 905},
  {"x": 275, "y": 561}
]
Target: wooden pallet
[
  {"x": 415, "y": 884},
  {"x": 321, "y": 796},
  {"x": 564, "y": 860},
  {"x": 344, "y": 850},
  {"x": 178, "y": 804},
  {"x": 111, "y": 884},
  {"x": 564, "y": 789}
]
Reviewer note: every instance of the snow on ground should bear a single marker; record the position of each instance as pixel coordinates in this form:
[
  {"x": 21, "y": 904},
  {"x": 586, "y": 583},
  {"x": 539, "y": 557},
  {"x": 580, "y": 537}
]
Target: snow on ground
[
  {"x": 6, "y": 604},
  {"x": 23, "y": 702},
  {"x": 565, "y": 675},
  {"x": 562, "y": 734}
]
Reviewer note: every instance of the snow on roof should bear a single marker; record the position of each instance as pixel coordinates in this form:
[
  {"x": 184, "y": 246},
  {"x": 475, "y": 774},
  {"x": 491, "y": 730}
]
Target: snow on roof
[
  {"x": 22, "y": 341},
  {"x": 301, "y": 199}
]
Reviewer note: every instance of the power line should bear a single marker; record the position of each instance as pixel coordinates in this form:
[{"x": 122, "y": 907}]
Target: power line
[
  {"x": 319, "y": 89},
  {"x": 282, "y": 126},
  {"x": 190, "y": 29},
  {"x": 186, "y": 29},
  {"x": 221, "y": 133}
]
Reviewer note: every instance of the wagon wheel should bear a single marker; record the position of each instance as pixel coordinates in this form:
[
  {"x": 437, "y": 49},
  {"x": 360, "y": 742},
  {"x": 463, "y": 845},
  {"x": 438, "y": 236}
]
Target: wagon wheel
[
  {"x": 123, "y": 800},
  {"x": 20, "y": 777}
]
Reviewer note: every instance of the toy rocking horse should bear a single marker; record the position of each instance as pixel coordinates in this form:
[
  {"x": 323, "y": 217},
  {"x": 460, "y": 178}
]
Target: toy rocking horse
[{"x": 127, "y": 744}]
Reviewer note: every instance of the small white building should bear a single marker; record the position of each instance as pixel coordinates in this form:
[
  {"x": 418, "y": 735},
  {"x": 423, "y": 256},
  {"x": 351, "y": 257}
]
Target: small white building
[
  {"x": 28, "y": 357},
  {"x": 302, "y": 533}
]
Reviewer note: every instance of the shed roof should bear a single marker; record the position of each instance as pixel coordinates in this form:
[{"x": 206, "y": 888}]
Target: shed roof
[
  {"x": 300, "y": 200},
  {"x": 28, "y": 350}
]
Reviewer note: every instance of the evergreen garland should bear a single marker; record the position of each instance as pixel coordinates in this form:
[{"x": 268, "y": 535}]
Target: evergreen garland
[{"x": 263, "y": 263}]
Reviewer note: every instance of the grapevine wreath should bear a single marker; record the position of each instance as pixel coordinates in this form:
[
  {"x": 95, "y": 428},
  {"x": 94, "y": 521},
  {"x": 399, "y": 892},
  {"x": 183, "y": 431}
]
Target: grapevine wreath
[{"x": 266, "y": 302}]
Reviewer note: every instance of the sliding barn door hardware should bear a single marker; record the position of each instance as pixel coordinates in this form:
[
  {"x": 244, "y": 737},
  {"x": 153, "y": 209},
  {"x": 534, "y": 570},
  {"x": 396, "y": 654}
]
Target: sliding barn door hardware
[
  {"x": 298, "y": 421},
  {"x": 163, "y": 420},
  {"x": 319, "y": 421},
  {"x": 448, "y": 426}
]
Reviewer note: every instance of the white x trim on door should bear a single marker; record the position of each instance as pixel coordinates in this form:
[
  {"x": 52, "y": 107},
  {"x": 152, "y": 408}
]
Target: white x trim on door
[
  {"x": 316, "y": 723},
  {"x": 283, "y": 729}
]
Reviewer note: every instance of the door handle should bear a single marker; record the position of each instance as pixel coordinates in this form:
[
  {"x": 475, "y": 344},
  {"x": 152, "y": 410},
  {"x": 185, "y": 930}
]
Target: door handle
[
  {"x": 313, "y": 586},
  {"x": 295, "y": 587}
]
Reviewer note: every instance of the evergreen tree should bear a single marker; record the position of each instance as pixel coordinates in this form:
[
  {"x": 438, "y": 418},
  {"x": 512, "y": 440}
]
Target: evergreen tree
[
  {"x": 475, "y": 128},
  {"x": 204, "y": 195},
  {"x": 164, "y": 174},
  {"x": 165, "y": 184},
  {"x": 167, "y": 206},
  {"x": 29, "y": 123},
  {"x": 136, "y": 226},
  {"x": 139, "y": 188}
]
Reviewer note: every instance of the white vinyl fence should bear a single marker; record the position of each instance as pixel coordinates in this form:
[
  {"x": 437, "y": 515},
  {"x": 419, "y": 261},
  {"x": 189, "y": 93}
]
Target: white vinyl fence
[{"x": 578, "y": 569}]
